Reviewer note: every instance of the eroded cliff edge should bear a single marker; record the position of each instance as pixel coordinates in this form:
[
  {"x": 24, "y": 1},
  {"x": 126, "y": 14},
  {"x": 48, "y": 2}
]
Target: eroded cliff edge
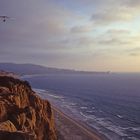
[{"x": 23, "y": 115}]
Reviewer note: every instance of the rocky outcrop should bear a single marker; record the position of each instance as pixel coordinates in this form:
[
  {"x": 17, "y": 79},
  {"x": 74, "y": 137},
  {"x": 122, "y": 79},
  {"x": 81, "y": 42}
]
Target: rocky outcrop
[
  {"x": 9, "y": 74},
  {"x": 23, "y": 115}
]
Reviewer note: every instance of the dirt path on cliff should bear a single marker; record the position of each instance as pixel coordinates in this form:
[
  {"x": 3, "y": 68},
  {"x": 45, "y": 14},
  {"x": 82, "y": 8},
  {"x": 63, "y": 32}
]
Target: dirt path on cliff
[{"x": 69, "y": 129}]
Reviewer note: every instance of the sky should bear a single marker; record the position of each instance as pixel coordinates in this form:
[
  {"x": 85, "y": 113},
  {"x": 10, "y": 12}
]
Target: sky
[{"x": 93, "y": 35}]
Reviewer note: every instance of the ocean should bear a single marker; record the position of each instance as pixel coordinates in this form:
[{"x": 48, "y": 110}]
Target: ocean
[{"x": 108, "y": 103}]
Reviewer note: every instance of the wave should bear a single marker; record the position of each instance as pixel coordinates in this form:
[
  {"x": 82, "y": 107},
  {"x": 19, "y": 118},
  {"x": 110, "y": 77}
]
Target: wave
[
  {"x": 119, "y": 116},
  {"x": 104, "y": 125},
  {"x": 44, "y": 93},
  {"x": 83, "y": 107}
]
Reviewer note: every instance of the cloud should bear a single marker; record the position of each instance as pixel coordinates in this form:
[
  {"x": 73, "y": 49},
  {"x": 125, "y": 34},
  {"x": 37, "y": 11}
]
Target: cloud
[
  {"x": 134, "y": 54},
  {"x": 134, "y": 51},
  {"x": 116, "y": 12},
  {"x": 59, "y": 32},
  {"x": 111, "y": 16},
  {"x": 112, "y": 41},
  {"x": 81, "y": 29},
  {"x": 115, "y": 37},
  {"x": 131, "y": 3},
  {"x": 119, "y": 32},
  {"x": 36, "y": 26}
]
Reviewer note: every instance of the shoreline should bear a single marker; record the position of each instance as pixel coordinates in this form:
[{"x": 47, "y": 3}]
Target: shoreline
[
  {"x": 63, "y": 120},
  {"x": 69, "y": 129}
]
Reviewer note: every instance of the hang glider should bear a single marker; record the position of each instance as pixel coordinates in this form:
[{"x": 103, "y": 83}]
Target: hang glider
[{"x": 4, "y": 18}]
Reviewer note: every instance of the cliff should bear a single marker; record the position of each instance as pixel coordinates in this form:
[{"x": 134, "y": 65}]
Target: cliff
[{"x": 23, "y": 115}]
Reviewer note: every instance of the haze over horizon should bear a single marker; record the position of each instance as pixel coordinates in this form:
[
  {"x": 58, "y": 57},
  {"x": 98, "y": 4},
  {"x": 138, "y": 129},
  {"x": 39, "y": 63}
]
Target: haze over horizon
[{"x": 93, "y": 35}]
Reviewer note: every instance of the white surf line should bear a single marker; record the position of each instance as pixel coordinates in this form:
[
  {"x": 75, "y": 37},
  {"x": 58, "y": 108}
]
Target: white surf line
[{"x": 86, "y": 131}]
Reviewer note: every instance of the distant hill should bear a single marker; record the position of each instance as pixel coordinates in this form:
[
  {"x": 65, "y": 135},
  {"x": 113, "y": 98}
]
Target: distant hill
[{"x": 29, "y": 69}]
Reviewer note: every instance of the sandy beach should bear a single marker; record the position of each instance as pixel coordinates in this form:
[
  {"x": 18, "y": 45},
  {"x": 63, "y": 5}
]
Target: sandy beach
[{"x": 69, "y": 129}]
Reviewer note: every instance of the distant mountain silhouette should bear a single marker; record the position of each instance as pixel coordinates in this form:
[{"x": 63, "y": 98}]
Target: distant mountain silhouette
[{"x": 29, "y": 69}]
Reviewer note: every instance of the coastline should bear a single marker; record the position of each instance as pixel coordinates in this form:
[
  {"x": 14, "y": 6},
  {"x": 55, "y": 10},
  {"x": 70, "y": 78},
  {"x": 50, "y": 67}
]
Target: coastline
[{"x": 69, "y": 129}]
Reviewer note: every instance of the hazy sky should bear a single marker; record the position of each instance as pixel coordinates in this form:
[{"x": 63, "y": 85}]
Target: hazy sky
[{"x": 96, "y": 35}]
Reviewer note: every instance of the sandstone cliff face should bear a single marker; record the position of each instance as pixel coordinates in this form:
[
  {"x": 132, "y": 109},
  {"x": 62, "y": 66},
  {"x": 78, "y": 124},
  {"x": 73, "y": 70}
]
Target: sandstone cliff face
[{"x": 23, "y": 115}]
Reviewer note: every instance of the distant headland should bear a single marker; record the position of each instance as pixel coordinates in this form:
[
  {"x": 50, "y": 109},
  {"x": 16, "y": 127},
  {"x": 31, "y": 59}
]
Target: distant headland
[{"x": 30, "y": 69}]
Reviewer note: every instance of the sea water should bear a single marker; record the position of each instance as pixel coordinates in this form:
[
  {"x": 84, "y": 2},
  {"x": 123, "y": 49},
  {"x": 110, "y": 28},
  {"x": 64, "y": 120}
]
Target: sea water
[{"x": 109, "y": 103}]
